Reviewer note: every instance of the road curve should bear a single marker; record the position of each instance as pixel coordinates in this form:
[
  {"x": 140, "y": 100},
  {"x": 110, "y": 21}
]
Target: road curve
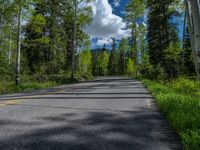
[{"x": 104, "y": 114}]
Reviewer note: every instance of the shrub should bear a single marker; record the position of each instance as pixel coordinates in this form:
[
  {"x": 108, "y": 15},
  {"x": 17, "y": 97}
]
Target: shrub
[{"x": 186, "y": 86}]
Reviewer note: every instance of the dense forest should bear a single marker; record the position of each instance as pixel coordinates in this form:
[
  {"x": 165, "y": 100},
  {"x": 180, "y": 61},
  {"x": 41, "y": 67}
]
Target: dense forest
[
  {"x": 44, "y": 43},
  {"x": 44, "y": 38}
]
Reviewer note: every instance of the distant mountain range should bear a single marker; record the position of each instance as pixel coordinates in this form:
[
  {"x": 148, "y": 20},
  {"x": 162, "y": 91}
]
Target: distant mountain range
[{"x": 99, "y": 50}]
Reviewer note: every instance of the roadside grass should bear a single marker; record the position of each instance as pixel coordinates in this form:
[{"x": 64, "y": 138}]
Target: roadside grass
[
  {"x": 10, "y": 87},
  {"x": 179, "y": 100},
  {"x": 37, "y": 82}
]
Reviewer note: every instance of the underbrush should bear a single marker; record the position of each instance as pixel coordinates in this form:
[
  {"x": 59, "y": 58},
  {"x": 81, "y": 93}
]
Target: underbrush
[
  {"x": 186, "y": 86},
  {"x": 38, "y": 81},
  {"x": 10, "y": 87},
  {"x": 179, "y": 100}
]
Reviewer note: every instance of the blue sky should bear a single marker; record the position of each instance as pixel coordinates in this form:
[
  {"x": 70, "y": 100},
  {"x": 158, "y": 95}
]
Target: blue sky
[
  {"x": 120, "y": 9},
  {"x": 107, "y": 22}
]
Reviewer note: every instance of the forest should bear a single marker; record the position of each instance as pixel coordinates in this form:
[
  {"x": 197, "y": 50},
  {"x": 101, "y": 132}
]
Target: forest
[
  {"x": 44, "y": 43},
  {"x": 47, "y": 38}
]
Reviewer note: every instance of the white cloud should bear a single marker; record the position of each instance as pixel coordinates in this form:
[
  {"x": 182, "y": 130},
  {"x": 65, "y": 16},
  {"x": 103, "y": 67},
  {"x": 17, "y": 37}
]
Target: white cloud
[
  {"x": 103, "y": 41},
  {"x": 116, "y": 3},
  {"x": 105, "y": 24}
]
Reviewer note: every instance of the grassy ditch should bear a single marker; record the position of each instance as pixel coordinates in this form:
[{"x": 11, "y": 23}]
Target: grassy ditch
[{"x": 179, "y": 100}]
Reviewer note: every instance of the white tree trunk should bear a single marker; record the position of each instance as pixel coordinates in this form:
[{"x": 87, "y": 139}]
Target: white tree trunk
[
  {"x": 193, "y": 17},
  {"x": 10, "y": 49},
  {"x": 17, "y": 80}
]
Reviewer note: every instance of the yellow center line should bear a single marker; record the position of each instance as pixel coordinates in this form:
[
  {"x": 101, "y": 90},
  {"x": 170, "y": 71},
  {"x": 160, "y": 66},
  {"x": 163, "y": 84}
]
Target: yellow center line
[
  {"x": 17, "y": 100},
  {"x": 60, "y": 91},
  {"x": 10, "y": 102}
]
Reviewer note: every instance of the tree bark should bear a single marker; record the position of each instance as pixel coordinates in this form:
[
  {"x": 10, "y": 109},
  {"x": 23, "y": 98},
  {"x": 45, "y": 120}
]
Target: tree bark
[
  {"x": 74, "y": 39},
  {"x": 193, "y": 16},
  {"x": 196, "y": 20},
  {"x": 17, "y": 80},
  {"x": 10, "y": 49}
]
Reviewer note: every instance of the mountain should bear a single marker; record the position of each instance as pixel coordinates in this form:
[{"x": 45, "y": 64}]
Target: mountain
[{"x": 99, "y": 50}]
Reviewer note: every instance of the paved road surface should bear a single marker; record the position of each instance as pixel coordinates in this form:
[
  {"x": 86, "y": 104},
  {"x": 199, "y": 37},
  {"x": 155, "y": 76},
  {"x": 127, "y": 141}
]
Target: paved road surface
[{"x": 105, "y": 114}]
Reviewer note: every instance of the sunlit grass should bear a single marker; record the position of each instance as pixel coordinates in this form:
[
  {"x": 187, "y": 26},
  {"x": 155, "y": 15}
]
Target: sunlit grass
[
  {"x": 38, "y": 81},
  {"x": 180, "y": 101},
  {"x": 10, "y": 87}
]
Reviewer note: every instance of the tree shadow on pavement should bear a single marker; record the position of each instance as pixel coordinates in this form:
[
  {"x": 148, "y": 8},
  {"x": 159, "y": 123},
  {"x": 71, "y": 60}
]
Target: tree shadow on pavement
[{"x": 94, "y": 130}]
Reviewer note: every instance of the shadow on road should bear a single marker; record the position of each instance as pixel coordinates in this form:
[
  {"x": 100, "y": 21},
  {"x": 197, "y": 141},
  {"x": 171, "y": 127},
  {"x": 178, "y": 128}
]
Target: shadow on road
[
  {"x": 92, "y": 130},
  {"x": 69, "y": 128}
]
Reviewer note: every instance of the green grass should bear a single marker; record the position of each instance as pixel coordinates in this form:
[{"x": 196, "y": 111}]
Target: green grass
[
  {"x": 10, "y": 87},
  {"x": 37, "y": 82},
  {"x": 179, "y": 100}
]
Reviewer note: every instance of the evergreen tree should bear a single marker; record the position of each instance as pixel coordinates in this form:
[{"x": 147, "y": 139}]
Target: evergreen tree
[
  {"x": 122, "y": 57},
  {"x": 161, "y": 31},
  {"x": 112, "y": 66},
  {"x": 75, "y": 19},
  {"x": 134, "y": 11},
  {"x": 95, "y": 69},
  {"x": 37, "y": 41},
  {"x": 173, "y": 59},
  {"x": 146, "y": 67},
  {"x": 102, "y": 62},
  {"x": 187, "y": 60}
]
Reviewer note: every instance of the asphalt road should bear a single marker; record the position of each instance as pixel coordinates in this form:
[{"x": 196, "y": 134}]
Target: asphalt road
[{"x": 104, "y": 114}]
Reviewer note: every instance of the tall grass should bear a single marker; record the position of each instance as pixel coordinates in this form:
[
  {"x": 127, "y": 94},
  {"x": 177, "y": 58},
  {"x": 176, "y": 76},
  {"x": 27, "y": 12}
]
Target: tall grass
[
  {"x": 39, "y": 81},
  {"x": 179, "y": 100},
  {"x": 10, "y": 87}
]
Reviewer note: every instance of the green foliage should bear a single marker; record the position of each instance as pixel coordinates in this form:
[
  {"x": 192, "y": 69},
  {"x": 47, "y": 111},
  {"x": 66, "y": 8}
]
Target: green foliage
[
  {"x": 187, "y": 59},
  {"x": 83, "y": 18},
  {"x": 40, "y": 81},
  {"x": 173, "y": 51},
  {"x": 6, "y": 87},
  {"x": 146, "y": 68},
  {"x": 186, "y": 86},
  {"x": 131, "y": 68},
  {"x": 113, "y": 62},
  {"x": 38, "y": 23},
  {"x": 134, "y": 10},
  {"x": 123, "y": 47},
  {"x": 172, "y": 56},
  {"x": 103, "y": 61},
  {"x": 161, "y": 31},
  {"x": 86, "y": 61},
  {"x": 181, "y": 108}
]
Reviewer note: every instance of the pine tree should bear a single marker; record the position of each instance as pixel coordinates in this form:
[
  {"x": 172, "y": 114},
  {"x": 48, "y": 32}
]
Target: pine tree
[
  {"x": 37, "y": 41},
  {"x": 103, "y": 61},
  {"x": 187, "y": 60},
  {"x": 122, "y": 57},
  {"x": 112, "y": 67},
  {"x": 161, "y": 31},
  {"x": 75, "y": 19},
  {"x": 173, "y": 59},
  {"x": 95, "y": 64},
  {"x": 135, "y": 9}
]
